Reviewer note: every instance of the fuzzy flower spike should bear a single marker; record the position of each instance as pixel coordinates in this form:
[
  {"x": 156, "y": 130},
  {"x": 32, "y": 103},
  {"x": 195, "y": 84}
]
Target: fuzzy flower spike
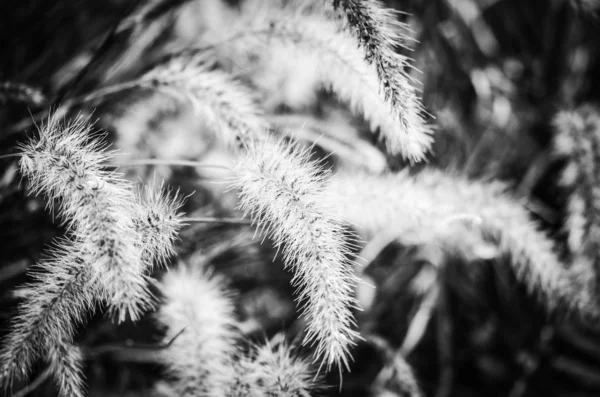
[
  {"x": 65, "y": 164},
  {"x": 355, "y": 61},
  {"x": 420, "y": 207},
  {"x": 379, "y": 33},
  {"x": 200, "y": 358},
  {"x": 113, "y": 240},
  {"x": 227, "y": 107},
  {"x": 281, "y": 189}
]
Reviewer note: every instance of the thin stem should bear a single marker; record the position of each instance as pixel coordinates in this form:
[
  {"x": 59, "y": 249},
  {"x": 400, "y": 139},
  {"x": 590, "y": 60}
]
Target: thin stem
[
  {"x": 102, "y": 92},
  {"x": 69, "y": 103},
  {"x": 10, "y": 155},
  {"x": 531, "y": 361},
  {"x": 420, "y": 321},
  {"x": 59, "y": 112},
  {"x": 133, "y": 163},
  {"x": 37, "y": 382},
  {"x": 374, "y": 247},
  {"x": 445, "y": 339},
  {"x": 94, "y": 352},
  {"x": 182, "y": 163},
  {"x": 13, "y": 270},
  {"x": 230, "y": 221}
]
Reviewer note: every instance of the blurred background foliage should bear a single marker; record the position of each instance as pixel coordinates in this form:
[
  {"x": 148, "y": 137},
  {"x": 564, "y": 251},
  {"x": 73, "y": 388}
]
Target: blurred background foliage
[{"x": 494, "y": 73}]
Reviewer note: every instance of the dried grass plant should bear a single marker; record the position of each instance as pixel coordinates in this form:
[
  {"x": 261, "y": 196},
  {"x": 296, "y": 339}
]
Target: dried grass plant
[{"x": 291, "y": 137}]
